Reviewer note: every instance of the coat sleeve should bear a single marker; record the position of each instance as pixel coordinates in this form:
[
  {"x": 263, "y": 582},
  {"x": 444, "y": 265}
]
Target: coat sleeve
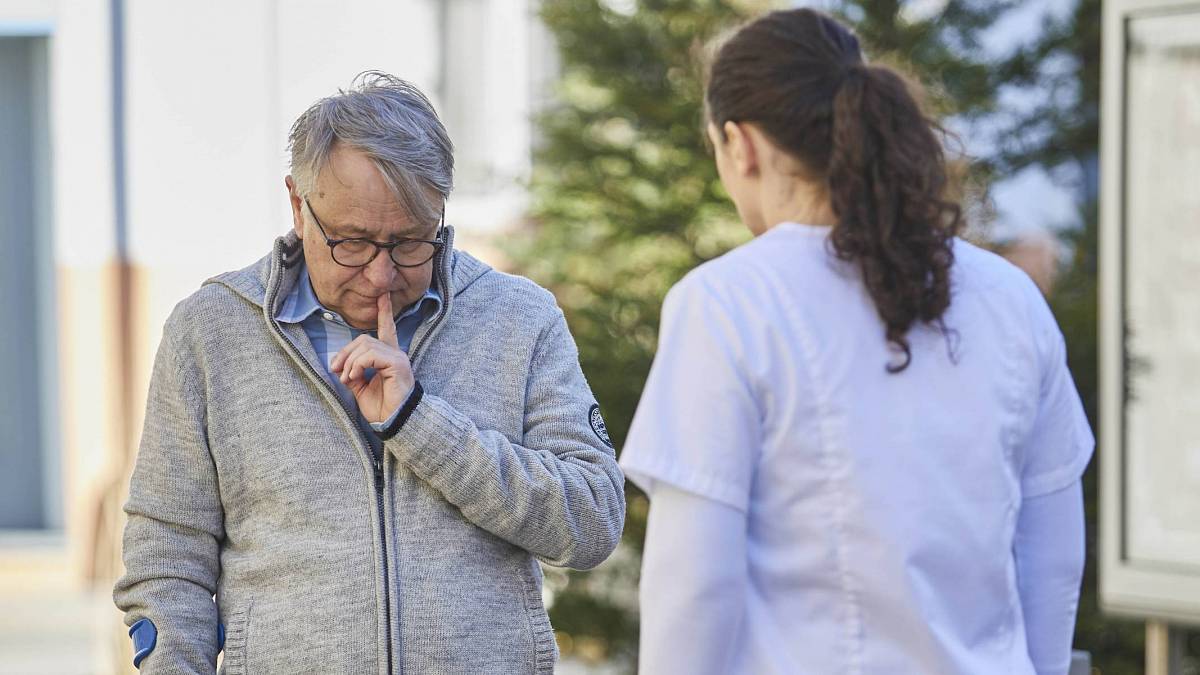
[
  {"x": 559, "y": 494},
  {"x": 175, "y": 522},
  {"x": 694, "y": 583},
  {"x": 1049, "y": 550}
]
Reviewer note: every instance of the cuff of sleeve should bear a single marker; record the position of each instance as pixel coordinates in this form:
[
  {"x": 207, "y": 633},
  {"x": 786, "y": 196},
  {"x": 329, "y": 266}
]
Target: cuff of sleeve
[
  {"x": 432, "y": 442},
  {"x": 380, "y": 426},
  {"x": 395, "y": 423},
  {"x": 647, "y": 473},
  {"x": 1048, "y": 483}
]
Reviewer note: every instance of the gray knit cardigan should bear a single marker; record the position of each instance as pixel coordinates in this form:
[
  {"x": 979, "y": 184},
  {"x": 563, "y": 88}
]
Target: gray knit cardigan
[{"x": 256, "y": 485}]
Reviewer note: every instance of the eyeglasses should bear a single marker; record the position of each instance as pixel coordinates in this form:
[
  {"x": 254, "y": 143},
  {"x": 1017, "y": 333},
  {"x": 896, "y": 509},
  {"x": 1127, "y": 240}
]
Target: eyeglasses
[{"x": 359, "y": 252}]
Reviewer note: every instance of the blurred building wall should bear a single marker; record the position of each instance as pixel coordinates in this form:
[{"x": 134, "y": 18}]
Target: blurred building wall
[{"x": 165, "y": 130}]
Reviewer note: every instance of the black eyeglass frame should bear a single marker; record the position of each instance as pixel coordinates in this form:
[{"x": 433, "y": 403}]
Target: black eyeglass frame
[{"x": 437, "y": 243}]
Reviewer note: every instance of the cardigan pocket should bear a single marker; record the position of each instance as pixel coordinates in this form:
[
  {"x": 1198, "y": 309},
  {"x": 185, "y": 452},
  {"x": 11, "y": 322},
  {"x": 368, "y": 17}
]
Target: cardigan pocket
[
  {"x": 237, "y": 627},
  {"x": 545, "y": 648}
]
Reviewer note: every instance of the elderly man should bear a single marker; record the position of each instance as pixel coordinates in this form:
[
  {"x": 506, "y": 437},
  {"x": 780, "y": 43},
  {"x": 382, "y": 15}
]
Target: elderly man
[{"x": 363, "y": 443}]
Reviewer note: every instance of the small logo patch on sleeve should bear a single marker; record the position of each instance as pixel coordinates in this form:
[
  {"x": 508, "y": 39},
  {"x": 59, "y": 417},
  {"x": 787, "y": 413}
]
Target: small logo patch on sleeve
[{"x": 598, "y": 426}]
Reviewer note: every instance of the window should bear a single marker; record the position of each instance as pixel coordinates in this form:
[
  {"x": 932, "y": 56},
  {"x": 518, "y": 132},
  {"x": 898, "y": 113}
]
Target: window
[{"x": 29, "y": 487}]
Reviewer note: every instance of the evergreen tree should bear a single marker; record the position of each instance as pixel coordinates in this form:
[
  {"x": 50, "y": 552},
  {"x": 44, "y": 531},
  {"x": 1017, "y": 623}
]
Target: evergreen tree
[{"x": 626, "y": 200}]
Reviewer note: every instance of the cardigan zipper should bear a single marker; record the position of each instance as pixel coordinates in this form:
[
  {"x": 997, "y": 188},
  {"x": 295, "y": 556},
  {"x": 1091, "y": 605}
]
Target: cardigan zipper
[
  {"x": 376, "y": 463},
  {"x": 444, "y": 285}
]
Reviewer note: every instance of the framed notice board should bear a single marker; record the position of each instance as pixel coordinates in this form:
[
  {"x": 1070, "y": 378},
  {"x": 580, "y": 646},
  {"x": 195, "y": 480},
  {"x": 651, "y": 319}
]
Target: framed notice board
[{"x": 1150, "y": 310}]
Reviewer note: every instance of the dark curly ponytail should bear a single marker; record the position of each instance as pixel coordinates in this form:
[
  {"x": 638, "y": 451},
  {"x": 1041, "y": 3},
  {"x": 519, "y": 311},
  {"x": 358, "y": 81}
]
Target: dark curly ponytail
[{"x": 800, "y": 76}]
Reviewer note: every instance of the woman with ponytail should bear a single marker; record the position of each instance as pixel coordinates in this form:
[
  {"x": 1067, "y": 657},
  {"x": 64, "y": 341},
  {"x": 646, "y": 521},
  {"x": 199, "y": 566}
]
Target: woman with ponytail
[{"x": 860, "y": 439}]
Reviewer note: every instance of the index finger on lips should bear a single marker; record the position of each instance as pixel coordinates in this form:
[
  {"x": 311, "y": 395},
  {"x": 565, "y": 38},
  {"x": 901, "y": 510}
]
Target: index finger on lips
[{"x": 387, "y": 323}]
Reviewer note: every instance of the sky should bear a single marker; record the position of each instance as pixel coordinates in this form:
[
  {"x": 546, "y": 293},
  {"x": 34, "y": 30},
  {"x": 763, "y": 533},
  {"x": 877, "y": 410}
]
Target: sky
[{"x": 1028, "y": 199}]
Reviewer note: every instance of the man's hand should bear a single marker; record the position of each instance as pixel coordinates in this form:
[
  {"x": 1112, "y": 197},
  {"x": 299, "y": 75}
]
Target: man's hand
[{"x": 381, "y": 395}]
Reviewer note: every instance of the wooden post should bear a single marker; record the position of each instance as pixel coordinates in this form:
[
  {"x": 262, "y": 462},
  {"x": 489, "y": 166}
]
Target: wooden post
[{"x": 1164, "y": 649}]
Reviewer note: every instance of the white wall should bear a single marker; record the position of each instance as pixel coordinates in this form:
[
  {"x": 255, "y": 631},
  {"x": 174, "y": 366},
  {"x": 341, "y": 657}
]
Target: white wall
[
  {"x": 75, "y": 231},
  {"x": 212, "y": 90},
  {"x": 498, "y": 56},
  {"x": 81, "y": 107},
  {"x": 214, "y": 87}
]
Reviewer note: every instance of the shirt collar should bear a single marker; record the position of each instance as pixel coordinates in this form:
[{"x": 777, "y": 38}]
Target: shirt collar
[{"x": 301, "y": 302}]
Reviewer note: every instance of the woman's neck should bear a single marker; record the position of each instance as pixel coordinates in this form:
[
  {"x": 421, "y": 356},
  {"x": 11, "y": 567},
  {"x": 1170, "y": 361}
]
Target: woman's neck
[{"x": 798, "y": 201}]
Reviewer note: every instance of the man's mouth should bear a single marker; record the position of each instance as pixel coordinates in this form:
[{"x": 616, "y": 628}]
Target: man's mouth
[{"x": 373, "y": 298}]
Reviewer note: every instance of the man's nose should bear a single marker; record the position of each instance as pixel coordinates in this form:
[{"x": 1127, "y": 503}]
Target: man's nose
[{"x": 381, "y": 272}]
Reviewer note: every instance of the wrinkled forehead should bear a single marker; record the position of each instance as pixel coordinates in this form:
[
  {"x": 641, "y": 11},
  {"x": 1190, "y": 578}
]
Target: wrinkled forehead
[
  {"x": 343, "y": 215},
  {"x": 353, "y": 196},
  {"x": 353, "y": 178}
]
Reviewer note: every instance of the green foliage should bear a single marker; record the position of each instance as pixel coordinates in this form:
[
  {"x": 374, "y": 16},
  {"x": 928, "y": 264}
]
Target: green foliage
[
  {"x": 626, "y": 200},
  {"x": 1063, "y": 64},
  {"x": 946, "y": 49},
  {"x": 629, "y": 198}
]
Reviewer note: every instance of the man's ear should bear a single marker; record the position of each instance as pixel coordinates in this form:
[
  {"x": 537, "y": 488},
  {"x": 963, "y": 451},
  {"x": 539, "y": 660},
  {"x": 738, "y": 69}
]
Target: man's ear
[
  {"x": 297, "y": 205},
  {"x": 742, "y": 153}
]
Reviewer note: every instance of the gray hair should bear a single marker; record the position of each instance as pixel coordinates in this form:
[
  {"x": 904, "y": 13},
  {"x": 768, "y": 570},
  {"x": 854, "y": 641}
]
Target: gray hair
[{"x": 392, "y": 123}]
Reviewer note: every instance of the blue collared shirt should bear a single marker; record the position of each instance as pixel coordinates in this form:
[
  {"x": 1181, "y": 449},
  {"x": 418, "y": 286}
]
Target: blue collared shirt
[{"x": 329, "y": 333}]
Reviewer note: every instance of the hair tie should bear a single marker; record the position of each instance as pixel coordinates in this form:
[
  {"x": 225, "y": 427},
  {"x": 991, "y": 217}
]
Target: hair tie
[{"x": 852, "y": 70}]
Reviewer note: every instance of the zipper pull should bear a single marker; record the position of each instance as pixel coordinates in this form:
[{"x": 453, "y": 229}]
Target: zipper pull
[{"x": 378, "y": 466}]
